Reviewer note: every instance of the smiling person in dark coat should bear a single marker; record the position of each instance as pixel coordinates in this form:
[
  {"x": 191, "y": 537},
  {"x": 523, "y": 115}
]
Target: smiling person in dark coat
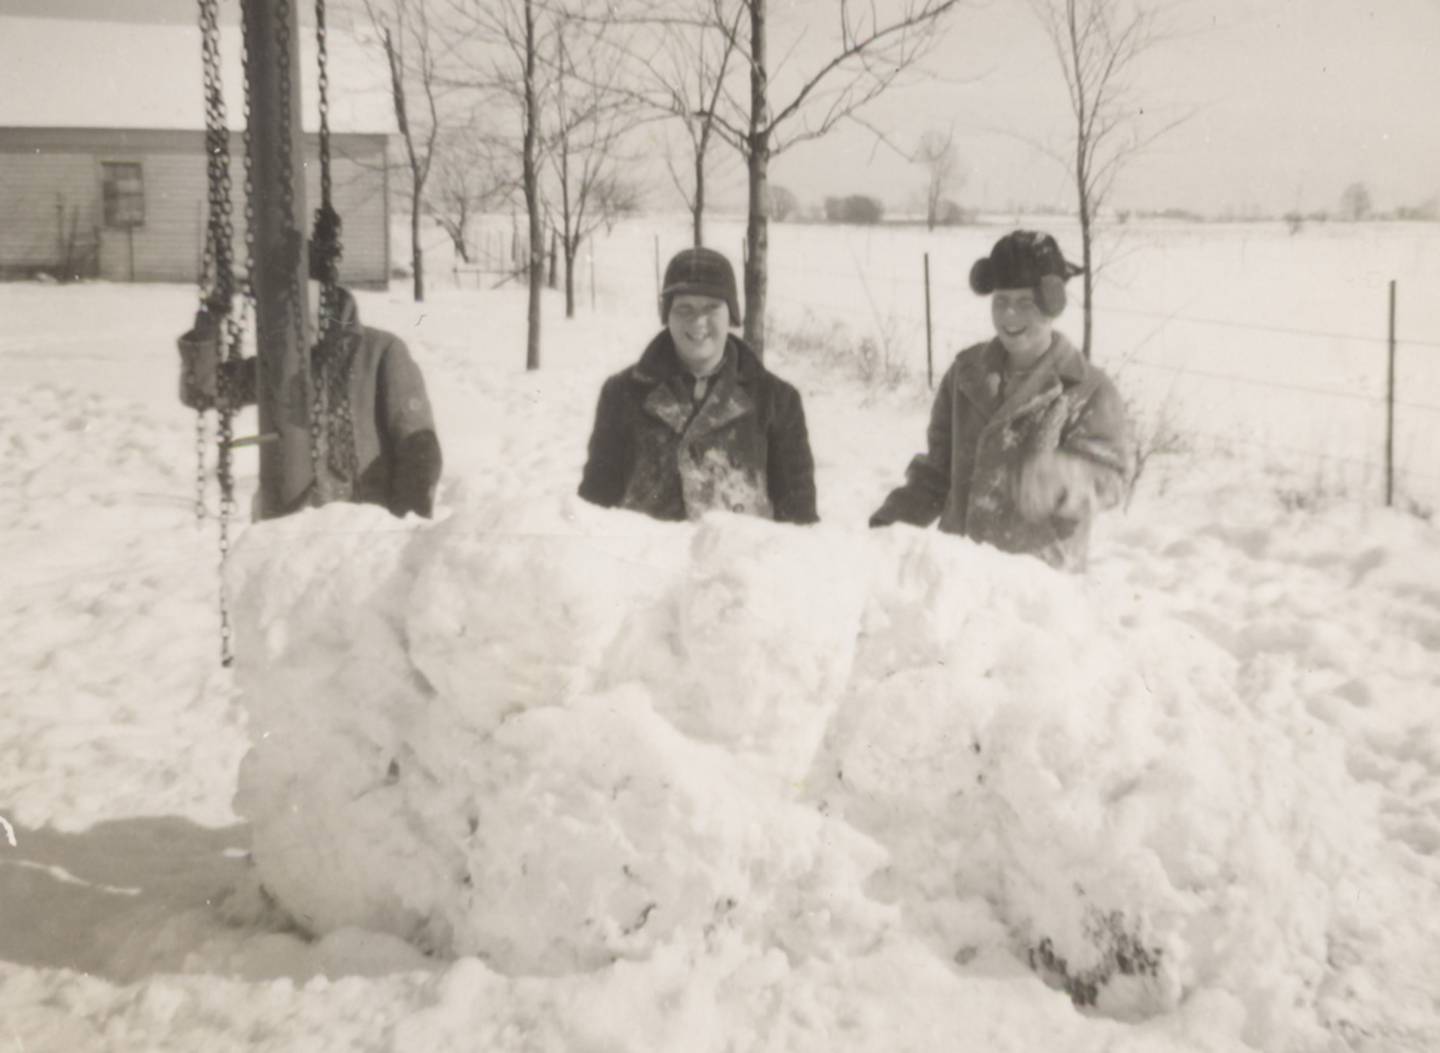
[{"x": 699, "y": 423}]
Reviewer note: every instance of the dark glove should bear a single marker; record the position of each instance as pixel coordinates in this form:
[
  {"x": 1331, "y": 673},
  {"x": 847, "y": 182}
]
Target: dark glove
[{"x": 418, "y": 463}]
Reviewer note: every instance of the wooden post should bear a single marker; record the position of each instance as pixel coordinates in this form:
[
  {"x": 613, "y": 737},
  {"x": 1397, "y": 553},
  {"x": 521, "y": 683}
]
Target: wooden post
[
  {"x": 592, "y": 275},
  {"x": 281, "y": 296},
  {"x": 657, "y": 267},
  {"x": 929, "y": 350},
  {"x": 1390, "y": 409}
]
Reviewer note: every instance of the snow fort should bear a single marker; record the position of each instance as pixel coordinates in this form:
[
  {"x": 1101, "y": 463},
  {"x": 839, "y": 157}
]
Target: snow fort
[{"x": 561, "y": 740}]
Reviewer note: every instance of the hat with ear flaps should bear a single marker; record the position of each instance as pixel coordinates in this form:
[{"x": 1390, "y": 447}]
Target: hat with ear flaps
[
  {"x": 1026, "y": 259},
  {"x": 699, "y": 272}
]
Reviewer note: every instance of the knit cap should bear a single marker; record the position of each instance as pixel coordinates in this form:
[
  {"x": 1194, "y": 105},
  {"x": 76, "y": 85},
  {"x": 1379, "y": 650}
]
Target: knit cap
[{"x": 699, "y": 272}]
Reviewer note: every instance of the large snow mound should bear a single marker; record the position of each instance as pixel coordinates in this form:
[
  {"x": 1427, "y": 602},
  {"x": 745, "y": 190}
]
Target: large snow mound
[{"x": 555, "y": 738}]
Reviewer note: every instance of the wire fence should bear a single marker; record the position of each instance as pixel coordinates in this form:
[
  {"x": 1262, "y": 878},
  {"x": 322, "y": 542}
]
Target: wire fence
[
  {"x": 1353, "y": 415},
  {"x": 1303, "y": 394}
]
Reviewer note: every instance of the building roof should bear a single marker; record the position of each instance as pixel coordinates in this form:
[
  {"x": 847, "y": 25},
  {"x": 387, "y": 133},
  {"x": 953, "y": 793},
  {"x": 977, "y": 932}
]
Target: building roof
[{"x": 75, "y": 73}]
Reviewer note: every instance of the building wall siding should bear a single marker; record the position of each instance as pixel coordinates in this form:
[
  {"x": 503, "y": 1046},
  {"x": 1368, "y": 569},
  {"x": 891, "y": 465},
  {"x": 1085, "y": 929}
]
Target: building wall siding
[
  {"x": 49, "y": 173},
  {"x": 39, "y": 193}
]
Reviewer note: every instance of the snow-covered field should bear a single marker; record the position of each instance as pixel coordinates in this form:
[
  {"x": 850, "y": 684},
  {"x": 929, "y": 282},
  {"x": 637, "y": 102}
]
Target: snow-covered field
[{"x": 538, "y": 776}]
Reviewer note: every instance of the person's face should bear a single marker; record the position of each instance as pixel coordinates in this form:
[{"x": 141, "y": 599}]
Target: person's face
[
  {"x": 698, "y": 325},
  {"x": 1023, "y": 328}
]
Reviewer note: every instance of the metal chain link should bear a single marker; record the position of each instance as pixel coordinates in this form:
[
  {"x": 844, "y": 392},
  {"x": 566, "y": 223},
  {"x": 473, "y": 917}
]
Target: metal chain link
[
  {"x": 218, "y": 292},
  {"x": 322, "y": 60},
  {"x": 213, "y": 260},
  {"x": 336, "y": 354}
]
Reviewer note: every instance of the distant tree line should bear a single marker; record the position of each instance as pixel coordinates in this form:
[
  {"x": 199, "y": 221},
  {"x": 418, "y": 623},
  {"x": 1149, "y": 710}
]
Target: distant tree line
[{"x": 855, "y": 208}]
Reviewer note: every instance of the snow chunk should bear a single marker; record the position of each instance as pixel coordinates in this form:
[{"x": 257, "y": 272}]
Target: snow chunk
[{"x": 558, "y": 738}]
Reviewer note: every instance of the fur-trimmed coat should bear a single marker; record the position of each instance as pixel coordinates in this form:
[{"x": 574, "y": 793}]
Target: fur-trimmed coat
[
  {"x": 743, "y": 448},
  {"x": 984, "y": 444}
]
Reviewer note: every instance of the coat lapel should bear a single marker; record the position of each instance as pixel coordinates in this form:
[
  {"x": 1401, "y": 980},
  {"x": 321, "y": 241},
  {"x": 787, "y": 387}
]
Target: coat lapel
[
  {"x": 666, "y": 401},
  {"x": 1060, "y": 365},
  {"x": 730, "y": 400},
  {"x": 666, "y": 404},
  {"x": 659, "y": 369},
  {"x": 978, "y": 380}
]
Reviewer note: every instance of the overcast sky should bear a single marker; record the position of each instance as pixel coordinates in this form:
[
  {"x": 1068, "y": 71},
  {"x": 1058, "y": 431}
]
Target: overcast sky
[{"x": 1289, "y": 101}]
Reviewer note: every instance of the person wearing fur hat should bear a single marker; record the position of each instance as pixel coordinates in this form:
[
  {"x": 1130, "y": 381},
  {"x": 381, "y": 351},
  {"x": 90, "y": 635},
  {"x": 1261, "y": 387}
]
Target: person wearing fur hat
[
  {"x": 1027, "y": 440},
  {"x": 699, "y": 423}
]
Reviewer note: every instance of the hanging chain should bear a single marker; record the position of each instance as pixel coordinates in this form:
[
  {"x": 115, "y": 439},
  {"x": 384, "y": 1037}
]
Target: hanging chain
[
  {"x": 335, "y": 353},
  {"x": 218, "y": 285},
  {"x": 214, "y": 269},
  {"x": 202, "y": 436},
  {"x": 322, "y": 61}
]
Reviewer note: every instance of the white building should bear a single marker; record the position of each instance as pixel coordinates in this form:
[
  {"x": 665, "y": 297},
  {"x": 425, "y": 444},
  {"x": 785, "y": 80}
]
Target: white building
[{"x": 102, "y": 163}]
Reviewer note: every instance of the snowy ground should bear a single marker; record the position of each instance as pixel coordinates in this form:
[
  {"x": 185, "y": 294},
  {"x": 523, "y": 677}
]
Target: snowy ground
[{"x": 734, "y": 786}]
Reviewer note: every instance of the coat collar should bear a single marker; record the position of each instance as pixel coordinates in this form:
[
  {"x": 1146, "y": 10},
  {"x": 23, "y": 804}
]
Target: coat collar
[
  {"x": 1062, "y": 364},
  {"x": 660, "y": 369}
]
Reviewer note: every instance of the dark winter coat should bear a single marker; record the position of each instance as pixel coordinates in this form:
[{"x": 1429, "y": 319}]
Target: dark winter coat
[
  {"x": 744, "y": 448},
  {"x": 980, "y": 436},
  {"x": 386, "y": 451}
]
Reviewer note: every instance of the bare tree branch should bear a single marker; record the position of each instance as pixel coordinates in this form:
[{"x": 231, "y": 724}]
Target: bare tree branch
[
  {"x": 1097, "y": 44},
  {"x": 874, "y": 49}
]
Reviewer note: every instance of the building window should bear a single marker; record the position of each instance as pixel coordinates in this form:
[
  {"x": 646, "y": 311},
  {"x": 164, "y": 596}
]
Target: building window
[{"x": 123, "y": 188}]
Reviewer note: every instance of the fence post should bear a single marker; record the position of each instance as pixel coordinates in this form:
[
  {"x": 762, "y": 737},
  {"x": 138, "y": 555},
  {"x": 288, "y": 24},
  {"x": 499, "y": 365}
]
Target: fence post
[
  {"x": 929, "y": 350},
  {"x": 592, "y": 275},
  {"x": 1390, "y": 408},
  {"x": 657, "y": 267}
]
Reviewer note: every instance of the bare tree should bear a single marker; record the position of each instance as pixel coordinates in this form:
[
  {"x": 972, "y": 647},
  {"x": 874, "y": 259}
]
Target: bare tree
[
  {"x": 875, "y": 43},
  {"x": 1098, "y": 43},
  {"x": 467, "y": 178},
  {"x": 1355, "y": 202},
  {"x": 937, "y": 153},
  {"x": 783, "y": 203},
  {"x": 590, "y": 116},
  {"x": 682, "y": 57},
  {"x": 503, "y": 41},
  {"x": 698, "y": 59},
  {"x": 405, "y": 34}
]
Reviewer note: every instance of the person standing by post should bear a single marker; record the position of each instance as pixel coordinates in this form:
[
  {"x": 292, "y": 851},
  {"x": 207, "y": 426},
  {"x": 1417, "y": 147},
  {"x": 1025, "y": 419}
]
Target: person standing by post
[{"x": 1027, "y": 440}]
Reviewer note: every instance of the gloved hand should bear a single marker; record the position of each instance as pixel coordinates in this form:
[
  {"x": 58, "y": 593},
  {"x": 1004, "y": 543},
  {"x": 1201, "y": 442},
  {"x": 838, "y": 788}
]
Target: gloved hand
[{"x": 199, "y": 362}]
